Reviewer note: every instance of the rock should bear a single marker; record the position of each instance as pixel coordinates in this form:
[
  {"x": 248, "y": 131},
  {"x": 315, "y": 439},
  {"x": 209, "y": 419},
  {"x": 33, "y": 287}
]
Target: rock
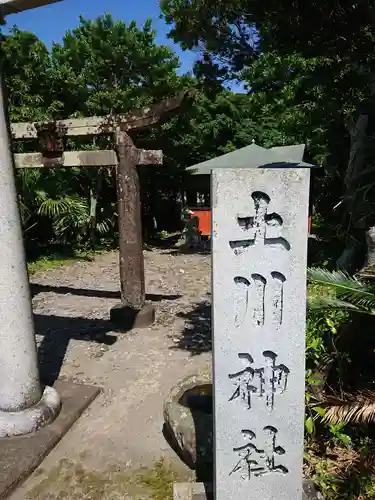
[
  {"x": 310, "y": 492},
  {"x": 188, "y": 420}
]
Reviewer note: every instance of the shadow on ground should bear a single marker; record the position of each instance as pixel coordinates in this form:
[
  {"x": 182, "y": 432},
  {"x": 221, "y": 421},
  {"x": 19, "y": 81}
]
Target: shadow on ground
[
  {"x": 203, "y": 249},
  {"x": 57, "y": 332},
  {"x": 188, "y": 251},
  {"x": 160, "y": 243},
  {"x": 196, "y": 335},
  {"x": 85, "y": 292}
]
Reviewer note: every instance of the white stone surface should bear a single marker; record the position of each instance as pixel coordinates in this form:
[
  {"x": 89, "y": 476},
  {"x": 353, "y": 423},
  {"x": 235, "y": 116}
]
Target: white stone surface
[
  {"x": 259, "y": 245},
  {"x": 20, "y": 388},
  {"x": 31, "y": 419}
]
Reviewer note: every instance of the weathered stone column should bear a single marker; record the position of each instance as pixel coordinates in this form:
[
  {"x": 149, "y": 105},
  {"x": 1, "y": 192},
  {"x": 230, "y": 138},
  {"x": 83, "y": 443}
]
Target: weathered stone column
[
  {"x": 24, "y": 404},
  {"x": 133, "y": 312}
]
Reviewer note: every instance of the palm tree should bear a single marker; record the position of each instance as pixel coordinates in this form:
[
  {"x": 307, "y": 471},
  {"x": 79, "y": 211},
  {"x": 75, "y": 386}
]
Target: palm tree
[
  {"x": 52, "y": 197},
  {"x": 356, "y": 294},
  {"x": 339, "y": 290}
]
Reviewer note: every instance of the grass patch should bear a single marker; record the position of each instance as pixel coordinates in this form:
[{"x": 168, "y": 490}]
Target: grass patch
[
  {"x": 56, "y": 260},
  {"x": 72, "y": 481},
  {"x": 158, "y": 480}
]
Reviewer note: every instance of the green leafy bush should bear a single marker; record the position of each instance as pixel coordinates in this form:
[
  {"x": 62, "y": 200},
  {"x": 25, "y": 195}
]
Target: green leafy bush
[{"x": 339, "y": 447}]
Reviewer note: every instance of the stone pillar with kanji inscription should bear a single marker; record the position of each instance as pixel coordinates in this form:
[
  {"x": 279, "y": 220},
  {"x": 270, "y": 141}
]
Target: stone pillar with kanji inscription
[
  {"x": 259, "y": 246},
  {"x": 134, "y": 311}
]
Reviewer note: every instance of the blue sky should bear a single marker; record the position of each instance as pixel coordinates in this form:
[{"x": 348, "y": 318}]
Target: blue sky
[{"x": 49, "y": 23}]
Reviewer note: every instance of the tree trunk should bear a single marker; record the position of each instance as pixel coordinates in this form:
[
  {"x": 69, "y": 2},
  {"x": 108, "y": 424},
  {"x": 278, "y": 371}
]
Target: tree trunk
[
  {"x": 345, "y": 261},
  {"x": 356, "y": 208}
]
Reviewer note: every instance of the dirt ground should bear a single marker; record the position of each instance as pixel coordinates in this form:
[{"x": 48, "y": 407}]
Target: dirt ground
[{"x": 116, "y": 449}]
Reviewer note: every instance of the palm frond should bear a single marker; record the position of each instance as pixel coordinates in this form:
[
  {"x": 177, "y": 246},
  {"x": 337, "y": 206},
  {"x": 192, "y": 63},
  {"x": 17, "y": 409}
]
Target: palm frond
[
  {"x": 40, "y": 196},
  {"x": 62, "y": 206},
  {"x": 367, "y": 273},
  {"x": 70, "y": 213},
  {"x": 351, "y": 408},
  {"x": 24, "y": 209},
  {"x": 103, "y": 227},
  {"x": 69, "y": 222},
  {"x": 346, "y": 288},
  {"x": 318, "y": 302},
  {"x": 51, "y": 207},
  {"x": 336, "y": 279},
  {"x": 29, "y": 179}
]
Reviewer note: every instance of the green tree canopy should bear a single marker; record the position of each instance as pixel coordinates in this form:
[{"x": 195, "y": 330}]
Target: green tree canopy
[
  {"x": 28, "y": 76},
  {"x": 105, "y": 66},
  {"x": 311, "y": 65}
]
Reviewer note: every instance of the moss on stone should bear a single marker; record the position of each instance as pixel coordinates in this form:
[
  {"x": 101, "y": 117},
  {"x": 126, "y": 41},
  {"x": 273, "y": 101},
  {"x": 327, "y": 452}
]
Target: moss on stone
[{"x": 69, "y": 480}]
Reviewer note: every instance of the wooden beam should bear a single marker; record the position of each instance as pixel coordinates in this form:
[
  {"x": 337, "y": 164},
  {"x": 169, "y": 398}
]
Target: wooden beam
[
  {"x": 84, "y": 159},
  {"x": 147, "y": 117},
  {"x": 69, "y": 159},
  {"x": 85, "y": 126},
  {"x": 14, "y": 6},
  {"x": 97, "y": 125}
]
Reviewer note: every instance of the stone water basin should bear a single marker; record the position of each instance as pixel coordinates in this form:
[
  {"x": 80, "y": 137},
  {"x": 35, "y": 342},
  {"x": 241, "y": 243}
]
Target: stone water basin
[{"x": 188, "y": 427}]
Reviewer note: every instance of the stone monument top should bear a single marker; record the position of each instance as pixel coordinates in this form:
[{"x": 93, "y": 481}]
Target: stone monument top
[{"x": 254, "y": 156}]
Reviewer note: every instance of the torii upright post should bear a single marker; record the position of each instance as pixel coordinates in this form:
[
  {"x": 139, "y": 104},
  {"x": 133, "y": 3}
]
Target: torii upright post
[
  {"x": 134, "y": 312},
  {"x": 25, "y": 405}
]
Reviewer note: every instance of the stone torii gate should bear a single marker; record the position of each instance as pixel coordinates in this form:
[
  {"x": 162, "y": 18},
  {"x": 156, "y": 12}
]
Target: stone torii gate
[
  {"x": 133, "y": 311},
  {"x": 24, "y": 404}
]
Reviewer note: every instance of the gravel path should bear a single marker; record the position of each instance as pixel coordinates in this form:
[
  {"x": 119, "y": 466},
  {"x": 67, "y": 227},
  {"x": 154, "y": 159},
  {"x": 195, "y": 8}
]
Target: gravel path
[{"x": 121, "y": 430}]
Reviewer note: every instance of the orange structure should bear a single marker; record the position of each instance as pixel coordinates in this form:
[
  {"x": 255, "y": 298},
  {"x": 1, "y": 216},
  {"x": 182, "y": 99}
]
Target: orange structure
[
  {"x": 251, "y": 156},
  {"x": 204, "y": 217}
]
